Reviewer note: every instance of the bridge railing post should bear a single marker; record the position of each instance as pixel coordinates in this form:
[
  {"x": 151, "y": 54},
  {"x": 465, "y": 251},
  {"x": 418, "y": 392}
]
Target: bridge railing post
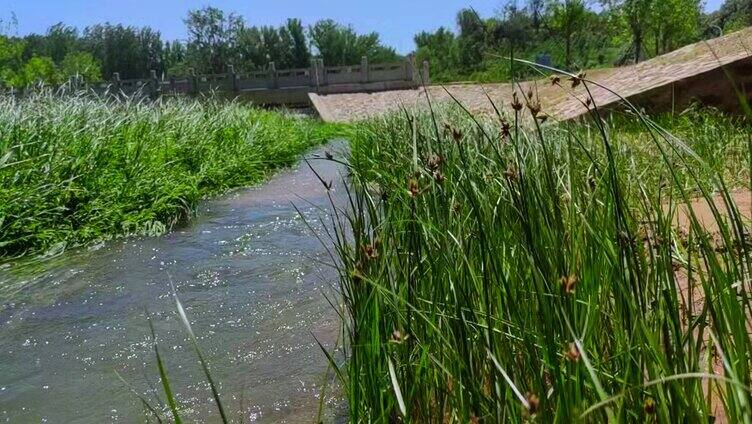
[
  {"x": 410, "y": 74},
  {"x": 116, "y": 81},
  {"x": 233, "y": 78},
  {"x": 154, "y": 85},
  {"x": 313, "y": 73},
  {"x": 192, "y": 81},
  {"x": 322, "y": 72},
  {"x": 273, "y": 77},
  {"x": 426, "y": 73},
  {"x": 364, "y": 71}
]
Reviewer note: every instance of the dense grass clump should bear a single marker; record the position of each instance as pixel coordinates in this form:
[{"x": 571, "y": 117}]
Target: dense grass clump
[
  {"x": 501, "y": 274},
  {"x": 77, "y": 169}
]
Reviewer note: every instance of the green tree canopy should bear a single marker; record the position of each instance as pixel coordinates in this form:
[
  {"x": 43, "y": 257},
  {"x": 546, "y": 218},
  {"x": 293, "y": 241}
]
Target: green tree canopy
[
  {"x": 132, "y": 52},
  {"x": 339, "y": 44},
  {"x": 82, "y": 64},
  {"x": 38, "y": 70},
  {"x": 212, "y": 39}
]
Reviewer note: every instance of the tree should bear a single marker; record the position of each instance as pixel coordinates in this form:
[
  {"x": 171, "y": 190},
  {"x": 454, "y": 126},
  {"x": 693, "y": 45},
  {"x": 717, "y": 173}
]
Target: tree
[
  {"x": 130, "y": 51},
  {"x": 173, "y": 58},
  {"x": 637, "y": 15},
  {"x": 149, "y": 51},
  {"x": 567, "y": 18},
  {"x": 675, "y": 23},
  {"x": 11, "y": 60},
  {"x": 341, "y": 45},
  {"x": 251, "y": 49},
  {"x": 733, "y": 14},
  {"x": 60, "y": 40},
  {"x": 471, "y": 39},
  {"x": 11, "y": 53},
  {"x": 536, "y": 9},
  {"x": 439, "y": 49},
  {"x": 83, "y": 65},
  {"x": 37, "y": 70},
  {"x": 260, "y": 45},
  {"x": 212, "y": 37},
  {"x": 294, "y": 37},
  {"x": 273, "y": 47}
]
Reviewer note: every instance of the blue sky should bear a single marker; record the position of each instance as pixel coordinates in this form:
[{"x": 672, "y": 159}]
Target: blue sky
[{"x": 396, "y": 20}]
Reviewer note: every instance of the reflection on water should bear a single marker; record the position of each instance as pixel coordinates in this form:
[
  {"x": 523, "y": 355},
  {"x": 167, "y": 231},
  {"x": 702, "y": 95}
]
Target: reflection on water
[{"x": 253, "y": 280}]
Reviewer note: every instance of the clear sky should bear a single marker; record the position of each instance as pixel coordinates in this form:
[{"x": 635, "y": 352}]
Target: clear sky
[{"x": 395, "y": 20}]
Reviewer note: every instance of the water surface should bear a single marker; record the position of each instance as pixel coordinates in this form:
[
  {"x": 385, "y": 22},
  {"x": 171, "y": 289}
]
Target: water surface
[{"x": 252, "y": 277}]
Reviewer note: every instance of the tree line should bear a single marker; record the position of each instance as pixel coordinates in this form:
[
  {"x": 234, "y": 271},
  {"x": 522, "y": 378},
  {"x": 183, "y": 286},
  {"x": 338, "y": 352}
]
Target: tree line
[
  {"x": 569, "y": 34},
  {"x": 216, "y": 40}
]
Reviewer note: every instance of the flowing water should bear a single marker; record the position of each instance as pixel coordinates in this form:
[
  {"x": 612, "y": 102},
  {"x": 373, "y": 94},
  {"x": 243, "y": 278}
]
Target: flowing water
[{"x": 253, "y": 279}]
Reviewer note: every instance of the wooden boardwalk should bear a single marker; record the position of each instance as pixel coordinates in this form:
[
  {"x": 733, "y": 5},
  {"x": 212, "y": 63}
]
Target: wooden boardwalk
[{"x": 698, "y": 72}]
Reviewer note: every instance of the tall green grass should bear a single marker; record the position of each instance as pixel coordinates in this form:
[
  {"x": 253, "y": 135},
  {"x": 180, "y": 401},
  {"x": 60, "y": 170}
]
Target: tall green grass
[
  {"x": 495, "y": 273},
  {"x": 77, "y": 168}
]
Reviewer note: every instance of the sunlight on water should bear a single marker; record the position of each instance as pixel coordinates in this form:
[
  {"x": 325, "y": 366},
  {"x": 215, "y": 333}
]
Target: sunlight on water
[{"x": 252, "y": 278}]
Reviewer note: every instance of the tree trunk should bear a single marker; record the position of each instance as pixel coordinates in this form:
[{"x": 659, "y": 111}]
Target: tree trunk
[{"x": 638, "y": 46}]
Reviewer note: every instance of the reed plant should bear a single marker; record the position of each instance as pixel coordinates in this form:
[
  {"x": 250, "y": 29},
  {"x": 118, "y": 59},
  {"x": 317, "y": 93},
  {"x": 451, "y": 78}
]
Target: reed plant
[
  {"x": 516, "y": 269},
  {"x": 78, "y": 168}
]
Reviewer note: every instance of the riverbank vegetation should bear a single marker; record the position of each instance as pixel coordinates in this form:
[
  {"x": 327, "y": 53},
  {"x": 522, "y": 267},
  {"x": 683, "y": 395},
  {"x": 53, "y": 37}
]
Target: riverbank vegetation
[
  {"x": 500, "y": 273},
  {"x": 76, "y": 168}
]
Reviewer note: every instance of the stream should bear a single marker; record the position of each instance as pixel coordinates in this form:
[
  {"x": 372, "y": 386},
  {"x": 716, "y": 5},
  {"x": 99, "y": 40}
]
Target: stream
[{"x": 253, "y": 280}]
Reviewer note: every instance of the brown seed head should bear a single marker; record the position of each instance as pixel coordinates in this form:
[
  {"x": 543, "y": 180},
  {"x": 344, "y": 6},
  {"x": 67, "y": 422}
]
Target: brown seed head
[
  {"x": 456, "y": 207},
  {"x": 573, "y": 354},
  {"x": 555, "y": 80},
  {"x": 398, "y": 336},
  {"x": 457, "y": 135},
  {"x": 511, "y": 173},
  {"x": 534, "y": 107},
  {"x": 357, "y": 273},
  {"x": 516, "y": 104},
  {"x": 530, "y": 93},
  {"x": 412, "y": 187},
  {"x": 506, "y": 128},
  {"x": 568, "y": 283},
  {"x": 435, "y": 162},
  {"x": 649, "y": 406},
  {"x": 577, "y": 80},
  {"x": 533, "y": 403},
  {"x": 438, "y": 177},
  {"x": 371, "y": 250},
  {"x": 474, "y": 419}
]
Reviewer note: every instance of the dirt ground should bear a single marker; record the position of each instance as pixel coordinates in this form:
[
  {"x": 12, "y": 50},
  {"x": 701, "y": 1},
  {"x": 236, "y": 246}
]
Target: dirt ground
[{"x": 692, "y": 292}]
